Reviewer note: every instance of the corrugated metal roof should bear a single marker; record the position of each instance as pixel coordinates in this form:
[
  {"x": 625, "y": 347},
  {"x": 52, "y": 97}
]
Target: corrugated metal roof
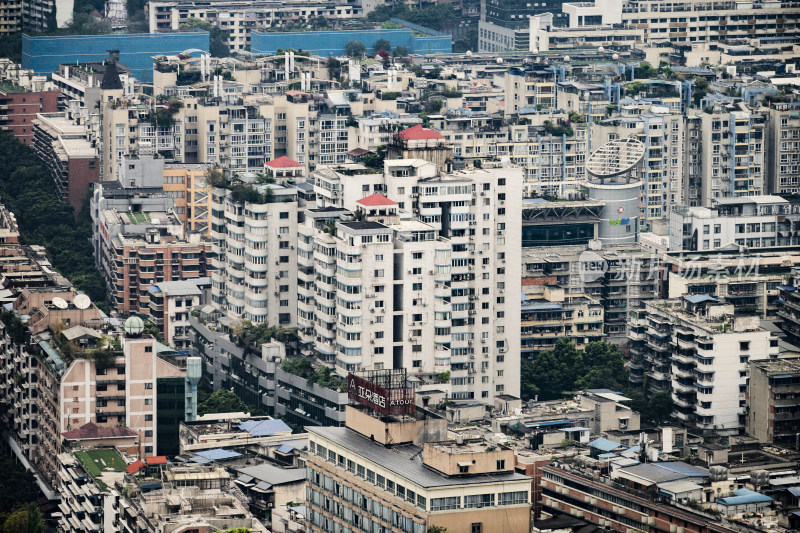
[
  {"x": 604, "y": 445},
  {"x": 264, "y": 428},
  {"x": 744, "y": 496},
  {"x": 218, "y": 454}
]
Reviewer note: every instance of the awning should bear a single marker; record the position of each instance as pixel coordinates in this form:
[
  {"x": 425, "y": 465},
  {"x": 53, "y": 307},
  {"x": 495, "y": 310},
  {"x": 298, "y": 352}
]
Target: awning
[{"x": 464, "y": 463}]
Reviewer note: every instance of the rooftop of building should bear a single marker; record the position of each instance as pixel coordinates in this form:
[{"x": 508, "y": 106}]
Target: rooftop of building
[
  {"x": 418, "y": 133},
  {"x": 177, "y": 288},
  {"x": 778, "y": 367},
  {"x": 404, "y": 460}
]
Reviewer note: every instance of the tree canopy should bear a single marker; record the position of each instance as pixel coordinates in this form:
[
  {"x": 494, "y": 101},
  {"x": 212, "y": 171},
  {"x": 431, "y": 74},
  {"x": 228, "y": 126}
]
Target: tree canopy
[
  {"x": 222, "y": 401},
  {"x": 382, "y": 44},
  {"x": 27, "y": 189},
  {"x": 557, "y": 372},
  {"x": 17, "y": 486},
  {"x": 218, "y": 39},
  {"x": 433, "y": 17},
  {"x": 355, "y": 48}
]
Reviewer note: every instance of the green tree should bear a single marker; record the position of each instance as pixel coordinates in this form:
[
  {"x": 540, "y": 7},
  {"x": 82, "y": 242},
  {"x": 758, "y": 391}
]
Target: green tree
[
  {"x": 218, "y": 39},
  {"x": 222, "y": 401},
  {"x": 382, "y": 44},
  {"x": 400, "y": 51},
  {"x": 355, "y": 48},
  {"x": 437, "y": 529},
  {"x": 468, "y": 41},
  {"x": 24, "y": 519},
  {"x": 17, "y": 485}
]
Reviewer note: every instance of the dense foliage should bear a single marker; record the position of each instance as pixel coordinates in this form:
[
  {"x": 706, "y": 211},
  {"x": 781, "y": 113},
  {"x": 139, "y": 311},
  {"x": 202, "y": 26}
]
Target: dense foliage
[
  {"x": 27, "y": 189},
  {"x": 18, "y": 493},
  {"x": 432, "y": 17},
  {"x": 222, "y": 401},
  {"x": 218, "y": 40},
  {"x": 321, "y": 375},
  {"x": 555, "y": 373}
]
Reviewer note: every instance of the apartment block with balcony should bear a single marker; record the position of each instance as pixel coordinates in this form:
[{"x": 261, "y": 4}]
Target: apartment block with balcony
[
  {"x": 238, "y": 18},
  {"x": 621, "y": 278},
  {"x": 755, "y": 221},
  {"x": 733, "y": 149},
  {"x": 783, "y": 149},
  {"x": 18, "y": 110},
  {"x": 254, "y": 232},
  {"x": 170, "y": 305},
  {"x": 71, "y": 159},
  {"x": 380, "y": 287},
  {"x": 549, "y": 314},
  {"x": 139, "y": 241},
  {"x": 773, "y": 408},
  {"x": 700, "y": 351},
  {"x": 186, "y": 184}
]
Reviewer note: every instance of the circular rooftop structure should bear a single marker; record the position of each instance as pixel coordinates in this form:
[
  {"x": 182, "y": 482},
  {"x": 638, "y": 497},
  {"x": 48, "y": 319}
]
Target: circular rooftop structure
[
  {"x": 615, "y": 157},
  {"x": 134, "y": 326}
]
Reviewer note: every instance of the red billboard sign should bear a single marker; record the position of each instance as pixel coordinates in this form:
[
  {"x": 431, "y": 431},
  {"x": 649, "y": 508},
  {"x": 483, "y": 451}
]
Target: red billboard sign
[{"x": 384, "y": 401}]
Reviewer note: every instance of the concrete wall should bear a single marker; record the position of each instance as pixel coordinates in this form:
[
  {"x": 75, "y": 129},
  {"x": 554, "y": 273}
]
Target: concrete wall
[{"x": 44, "y": 54}]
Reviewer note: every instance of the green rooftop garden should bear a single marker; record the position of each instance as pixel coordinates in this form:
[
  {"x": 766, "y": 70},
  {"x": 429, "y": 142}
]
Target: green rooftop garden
[
  {"x": 138, "y": 218},
  {"x": 101, "y": 460}
]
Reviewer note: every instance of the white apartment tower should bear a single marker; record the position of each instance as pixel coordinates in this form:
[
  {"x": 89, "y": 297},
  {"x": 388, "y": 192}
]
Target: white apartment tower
[
  {"x": 254, "y": 242},
  {"x": 410, "y": 269}
]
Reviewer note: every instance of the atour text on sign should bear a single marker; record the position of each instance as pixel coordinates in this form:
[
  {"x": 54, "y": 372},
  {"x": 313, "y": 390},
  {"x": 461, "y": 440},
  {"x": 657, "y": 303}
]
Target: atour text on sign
[{"x": 384, "y": 401}]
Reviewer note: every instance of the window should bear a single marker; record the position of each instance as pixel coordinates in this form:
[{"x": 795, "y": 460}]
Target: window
[
  {"x": 148, "y": 386},
  {"x": 478, "y": 500},
  {"x": 148, "y": 418},
  {"x": 463, "y": 469},
  {"x": 512, "y": 498},
  {"x": 445, "y": 504},
  {"x": 501, "y": 464},
  {"x": 744, "y": 345},
  {"x": 284, "y": 214},
  {"x": 477, "y": 527}
]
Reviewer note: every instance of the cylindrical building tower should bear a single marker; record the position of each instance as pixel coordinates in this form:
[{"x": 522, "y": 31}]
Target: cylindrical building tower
[{"x": 614, "y": 179}]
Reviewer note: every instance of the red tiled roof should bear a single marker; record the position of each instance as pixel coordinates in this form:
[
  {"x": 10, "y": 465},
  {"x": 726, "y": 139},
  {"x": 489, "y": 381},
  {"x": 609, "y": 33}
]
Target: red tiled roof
[
  {"x": 134, "y": 467},
  {"x": 156, "y": 460},
  {"x": 283, "y": 162},
  {"x": 375, "y": 200},
  {"x": 418, "y": 133},
  {"x": 93, "y": 431}
]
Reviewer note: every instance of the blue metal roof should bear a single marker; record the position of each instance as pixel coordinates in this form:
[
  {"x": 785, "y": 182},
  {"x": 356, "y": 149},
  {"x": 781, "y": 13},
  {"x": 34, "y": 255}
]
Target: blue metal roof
[
  {"x": 786, "y": 288},
  {"x": 744, "y": 496},
  {"x": 604, "y": 445},
  {"x": 551, "y": 423},
  {"x": 285, "y": 448},
  {"x": 200, "y": 460},
  {"x": 218, "y": 454},
  {"x": 264, "y": 428},
  {"x": 794, "y": 491},
  {"x": 632, "y": 449},
  {"x": 608, "y": 455}
]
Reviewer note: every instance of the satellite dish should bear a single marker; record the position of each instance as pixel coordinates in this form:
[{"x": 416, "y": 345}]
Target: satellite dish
[
  {"x": 60, "y": 302},
  {"x": 82, "y": 301}
]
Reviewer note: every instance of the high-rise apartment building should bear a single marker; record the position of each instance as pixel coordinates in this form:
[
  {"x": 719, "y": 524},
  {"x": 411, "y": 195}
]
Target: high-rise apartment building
[
  {"x": 783, "y": 148},
  {"x": 413, "y": 269},
  {"x": 254, "y": 235},
  {"x": 700, "y": 351}
]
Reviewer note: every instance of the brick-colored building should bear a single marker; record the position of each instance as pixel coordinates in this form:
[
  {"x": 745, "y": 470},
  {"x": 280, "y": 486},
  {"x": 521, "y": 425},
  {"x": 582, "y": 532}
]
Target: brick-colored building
[
  {"x": 72, "y": 160},
  {"x": 18, "y": 110}
]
